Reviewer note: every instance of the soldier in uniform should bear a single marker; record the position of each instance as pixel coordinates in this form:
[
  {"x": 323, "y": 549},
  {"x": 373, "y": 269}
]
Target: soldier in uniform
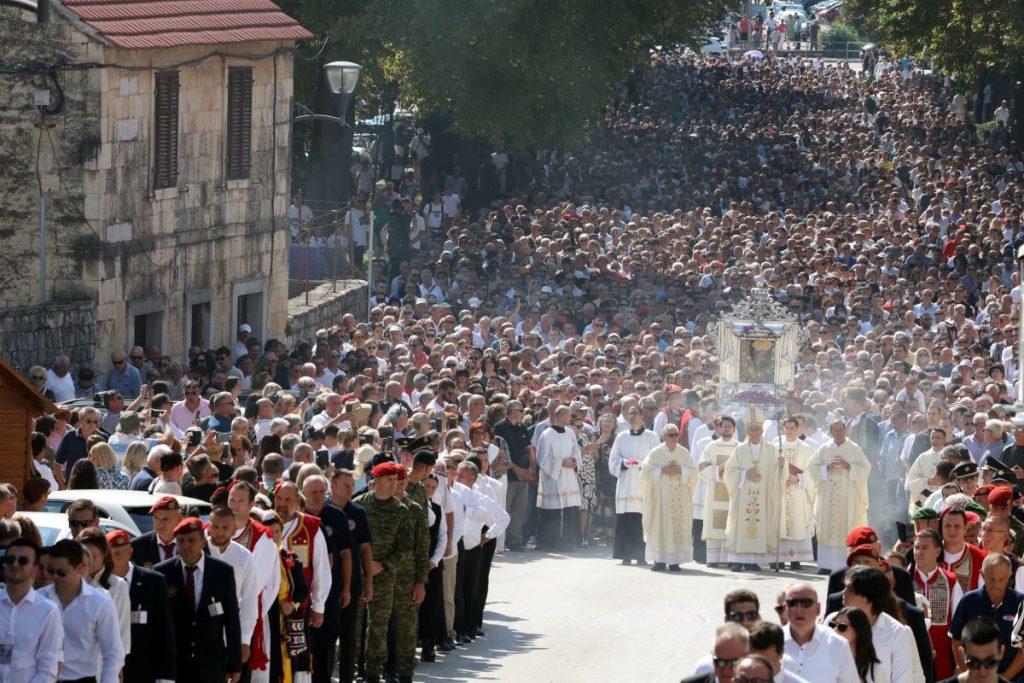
[
  {"x": 410, "y": 580},
  {"x": 158, "y": 545},
  {"x": 387, "y": 519}
]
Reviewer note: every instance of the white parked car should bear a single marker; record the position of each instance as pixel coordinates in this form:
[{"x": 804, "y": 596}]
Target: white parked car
[
  {"x": 713, "y": 45},
  {"x": 128, "y": 508},
  {"x": 53, "y": 526}
]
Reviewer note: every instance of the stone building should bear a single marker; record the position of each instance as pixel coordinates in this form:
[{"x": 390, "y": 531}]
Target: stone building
[{"x": 163, "y": 157}]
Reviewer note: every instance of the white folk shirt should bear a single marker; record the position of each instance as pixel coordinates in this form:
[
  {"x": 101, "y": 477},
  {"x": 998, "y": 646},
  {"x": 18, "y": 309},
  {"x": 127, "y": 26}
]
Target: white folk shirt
[
  {"x": 267, "y": 572},
  {"x": 630, "y": 445},
  {"x": 481, "y": 510},
  {"x": 246, "y": 589},
  {"x": 455, "y": 494},
  {"x": 920, "y": 472},
  {"x": 825, "y": 658},
  {"x": 32, "y": 633},
  {"x": 559, "y": 486},
  {"x": 321, "y": 567},
  {"x": 92, "y": 642}
]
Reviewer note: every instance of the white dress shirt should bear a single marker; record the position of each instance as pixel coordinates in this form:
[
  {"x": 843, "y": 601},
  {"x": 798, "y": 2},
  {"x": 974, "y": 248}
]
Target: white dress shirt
[
  {"x": 33, "y": 631},
  {"x": 485, "y": 512},
  {"x": 92, "y": 641},
  {"x": 896, "y": 650},
  {"x": 826, "y": 657},
  {"x": 44, "y": 471},
  {"x": 442, "y": 537},
  {"x": 459, "y": 510},
  {"x": 321, "y": 567},
  {"x": 267, "y": 573},
  {"x": 118, "y": 592},
  {"x": 246, "y": 588}
]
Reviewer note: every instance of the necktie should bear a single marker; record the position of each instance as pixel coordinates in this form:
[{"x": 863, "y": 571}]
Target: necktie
[
  {"x": 190, "y": 584},
  {"x": 168, "y": 550}
]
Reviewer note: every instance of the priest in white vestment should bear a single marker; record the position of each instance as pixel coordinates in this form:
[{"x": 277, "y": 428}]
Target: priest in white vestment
[
  {"x": 921, "y": 475},
  {"x": 668, "y": 476},
  {"x": 839, "y": 471},
  {"x": 797, "y": 524},
  {"x": 558, "y": 490},
  {"x": 700, "y": 552},
  {"x": 628, "y": 451},
  {"x": 716, "y": 499},
  {"x": 753, "y": 476}
]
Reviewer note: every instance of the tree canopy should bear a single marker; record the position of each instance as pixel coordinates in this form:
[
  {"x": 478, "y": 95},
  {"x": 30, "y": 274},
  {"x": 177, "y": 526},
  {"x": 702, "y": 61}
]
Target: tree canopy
[
  {"x": 531, "y": 72},
  {"x": 962, "y": 37}
]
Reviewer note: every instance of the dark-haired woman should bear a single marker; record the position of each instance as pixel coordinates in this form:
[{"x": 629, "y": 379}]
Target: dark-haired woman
[{"x": 852, "y": 624}]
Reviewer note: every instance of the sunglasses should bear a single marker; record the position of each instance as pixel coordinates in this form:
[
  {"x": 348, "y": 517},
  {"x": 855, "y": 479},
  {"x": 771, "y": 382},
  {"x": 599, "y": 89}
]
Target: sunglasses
[
  {"x": 39, "y": 378},
  {"x": 744, "y": 679},
  {"x": 56, "y": 572},
  {"x": 20, "y": 560},
  {"x": 838, "y": 626},
  {"x": 192, "y": 392},
  {"x": 723, "y": 662},
  {"x": 749, "y": 615},
  {"x": 136, "y": 357},
  {"x": 79, "y": 523},
  {"x": 806, "y": 603},
  {"x": 119, "y": 362},
  {"x": 93, "y": 421},
  {"x": 987, "y": 663}
]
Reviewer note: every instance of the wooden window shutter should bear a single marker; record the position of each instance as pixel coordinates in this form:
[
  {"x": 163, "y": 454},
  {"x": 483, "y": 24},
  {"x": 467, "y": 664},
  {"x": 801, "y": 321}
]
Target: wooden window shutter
[
  {"x": 165, "y": 131},
  {"x": 239, "y": 143}
]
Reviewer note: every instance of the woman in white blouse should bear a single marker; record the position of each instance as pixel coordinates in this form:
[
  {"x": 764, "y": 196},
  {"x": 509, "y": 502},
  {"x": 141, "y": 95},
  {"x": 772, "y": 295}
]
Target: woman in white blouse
[{"x": 101, "y": 569}]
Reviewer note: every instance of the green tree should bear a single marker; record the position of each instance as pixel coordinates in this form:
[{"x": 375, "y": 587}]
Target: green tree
[{"x": 963, "y": 37}]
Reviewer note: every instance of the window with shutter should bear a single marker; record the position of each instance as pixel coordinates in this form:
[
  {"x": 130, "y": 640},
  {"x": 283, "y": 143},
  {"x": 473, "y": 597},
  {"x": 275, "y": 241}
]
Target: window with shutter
[
  {"x": 239, "y": 127},
  {"x": 165, "y": 131}
]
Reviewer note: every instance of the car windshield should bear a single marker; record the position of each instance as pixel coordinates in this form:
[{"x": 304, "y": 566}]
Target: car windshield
[
  {"x": 142, "y": 519},
  {"x": 48, "y": 534}
]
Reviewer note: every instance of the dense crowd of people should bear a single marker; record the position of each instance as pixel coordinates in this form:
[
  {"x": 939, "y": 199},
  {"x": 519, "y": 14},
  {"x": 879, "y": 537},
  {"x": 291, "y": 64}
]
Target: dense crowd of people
[{"x": 541, "y": 375}]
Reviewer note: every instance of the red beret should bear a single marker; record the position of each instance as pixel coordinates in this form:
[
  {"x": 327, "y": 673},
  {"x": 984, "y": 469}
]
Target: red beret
[
  {"x": 165, "y": 503},
  {"x": 863, "y": 550},
  {"x": 1000, "y": 495},
  {"x": 861, "y": 535},
  {"x": 972, "y": 517},
  {"x": 387, "y": 469},
  {"x": 118, "y": 538},
  {"x": 477, "y": 427},
  {"x": 402, "y": 473},
  {"x": 984, "y": 490},
  {"x": 672, "y": 389},
  {"x": 188, "y": 524}
]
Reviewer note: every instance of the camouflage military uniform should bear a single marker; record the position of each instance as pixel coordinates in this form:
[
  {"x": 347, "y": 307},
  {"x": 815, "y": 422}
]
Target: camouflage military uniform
[
  {"x": 417, "y": 493},
  {"x": 388, "y": 524},
  {"x": 413, "y": 567}
]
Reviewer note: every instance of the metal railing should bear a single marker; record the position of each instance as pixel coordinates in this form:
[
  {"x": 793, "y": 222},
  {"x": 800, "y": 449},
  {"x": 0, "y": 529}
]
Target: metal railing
[{"x": 793, "y": 48}]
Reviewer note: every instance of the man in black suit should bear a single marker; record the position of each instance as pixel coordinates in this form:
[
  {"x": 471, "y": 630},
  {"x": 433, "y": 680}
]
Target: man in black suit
[
  {"x": 732, "y": 643},
  {"x": 205, "y": 609},
  {"x": 856, "y": 540},
  {"x": 157, "y": 546},
  {"x": 151, "y": 623}
]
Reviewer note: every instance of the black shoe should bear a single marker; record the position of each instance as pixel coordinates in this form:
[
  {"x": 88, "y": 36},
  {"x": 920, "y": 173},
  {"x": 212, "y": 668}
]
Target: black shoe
[
  {"x": 796, "y": 566},
  {"x": 658, "y": 567},
  {"x": 824, "y": 572},
  {"x": 480, "y": 633},
  {"x": 446, "y": 646},
  {"x": 405, "y": 679},
  {"x": 641, "y": 563},
  {"x": 625, "y": 563},
  {"x": 428, "y": 655},
  {"x": 675, "y": 568},
  {"x": 736, "y": 567},
  {"x": 752, "y": 567},
  {"x": 463, "y": 639}
]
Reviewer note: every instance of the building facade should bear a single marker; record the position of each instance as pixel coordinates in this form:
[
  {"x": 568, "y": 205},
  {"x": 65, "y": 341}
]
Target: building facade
[{"x": 163, "y": 161}]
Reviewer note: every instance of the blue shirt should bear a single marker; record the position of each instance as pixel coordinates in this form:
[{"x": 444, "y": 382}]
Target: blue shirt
[
  {"x": 72, "y": 449},
  {"x": 142, "y": 479},
  {"x": 127, "y": 383},
  {"x": 977, "y": 604}
]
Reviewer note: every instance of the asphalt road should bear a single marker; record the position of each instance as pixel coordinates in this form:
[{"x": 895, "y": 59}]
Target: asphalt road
[{"x": 584, "y": 617}]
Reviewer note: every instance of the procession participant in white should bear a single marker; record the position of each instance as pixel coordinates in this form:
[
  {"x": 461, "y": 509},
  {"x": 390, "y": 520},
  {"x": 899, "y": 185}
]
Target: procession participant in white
[
  {"x": 815, "y": 651},
  {"x": 628, "y": 450},
  {"x": 921, "y": 475},
  {"x": 716, "y": 501},
  {"x": 31, "y": 633},
  {"x": 753, "y": 476},
  {"x": 700, "y": 553},
  {"x": 839, "y": 472},
  {"x": 797, "y": 523},
  {"x": 219, "y": 543},
  {"x": 668, "y": 478},
  {"x": 258, "y": 540},
  {"x": 558, "y": 492}
]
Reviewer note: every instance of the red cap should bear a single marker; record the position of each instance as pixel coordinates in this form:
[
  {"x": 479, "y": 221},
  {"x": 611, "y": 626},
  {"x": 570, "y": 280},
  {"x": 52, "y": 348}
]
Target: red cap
[
  {"x": 165, "y": 503},
  {"x": 118, "y": 538},
  {"x": 984, "y": 490},
  {"x": 972, "y": 517},
  {"x": 188, "y": 524},
  {"x": 387, "y": 469},
  {"x": 861, "y": 535},
  {"x": 1000, "y": 495},
  {"x": 863, "y": 550},
  {"x": 672, "y": 389},
  {"x": 477, "y": 427}
]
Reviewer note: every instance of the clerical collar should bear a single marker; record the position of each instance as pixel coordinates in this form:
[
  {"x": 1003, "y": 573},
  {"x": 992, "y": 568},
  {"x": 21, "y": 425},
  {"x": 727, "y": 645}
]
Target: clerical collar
[
  {"x": 637, "y": 432},
  {"x": 560, "y": 430}
]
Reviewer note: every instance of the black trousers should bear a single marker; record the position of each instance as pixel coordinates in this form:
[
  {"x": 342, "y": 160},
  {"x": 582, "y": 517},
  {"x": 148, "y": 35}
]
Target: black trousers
[
  {"x": 559, "y": 529},
  {"x": 629, "y": 537},
  {"x": 470, "y": 589},
  {"x": 347, "y": 634},
  {"x": 459, "y": 622},
  {"x": 700, "y": 546},
  {"x": 431, "y": 622},
  {"x": 486, "y": 559},
  {"x": 323, "y": 642}
]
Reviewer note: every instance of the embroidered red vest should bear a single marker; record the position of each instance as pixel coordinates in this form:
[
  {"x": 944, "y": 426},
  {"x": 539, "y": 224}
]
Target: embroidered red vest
[
  {"x": 968, "y": 568},
  {"x": 300, "y": 542},
  {"x": 939, "y": 593}
]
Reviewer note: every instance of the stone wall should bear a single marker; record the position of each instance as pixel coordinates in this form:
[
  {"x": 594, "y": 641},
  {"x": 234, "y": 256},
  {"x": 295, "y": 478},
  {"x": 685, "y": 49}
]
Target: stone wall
[
  {"x": 35, "y": 335},
  {"x": 325, "y": 308}
]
